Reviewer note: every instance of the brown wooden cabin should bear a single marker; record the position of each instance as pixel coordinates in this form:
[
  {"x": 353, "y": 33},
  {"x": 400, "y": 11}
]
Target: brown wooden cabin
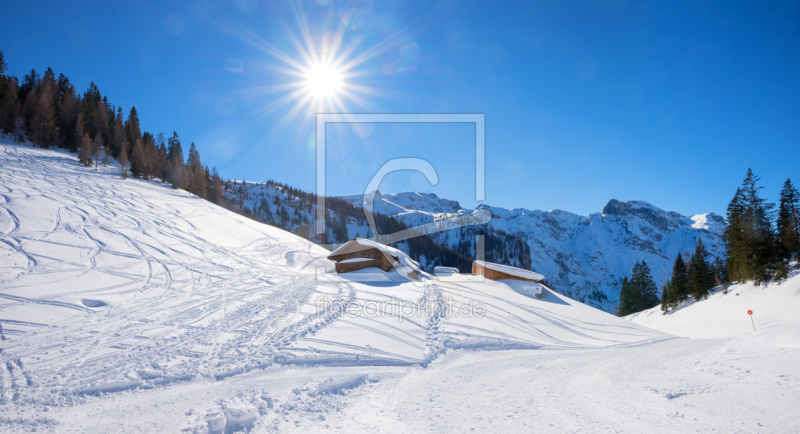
[
  {"x": 488, "y": 270},
  {"x": 353, "y": 249}
]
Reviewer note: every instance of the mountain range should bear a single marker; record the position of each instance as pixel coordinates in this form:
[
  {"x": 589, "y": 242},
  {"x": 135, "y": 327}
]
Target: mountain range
[{"x": 584, "y": 257}]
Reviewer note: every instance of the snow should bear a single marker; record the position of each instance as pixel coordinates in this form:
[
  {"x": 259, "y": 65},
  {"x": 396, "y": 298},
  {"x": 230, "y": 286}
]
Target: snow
[
  {"x": 444, "y": 271},
  {"x": 709, "y": 222},
  {"x": 512, "y": 271},
  {"x": 346, "y": 261},
  {"x": 724, "y": 313},
  {"x": 127, "y": 306}
]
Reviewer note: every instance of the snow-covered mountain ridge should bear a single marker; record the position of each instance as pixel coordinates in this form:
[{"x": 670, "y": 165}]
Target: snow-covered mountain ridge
[{"x": 585, "y": 257}]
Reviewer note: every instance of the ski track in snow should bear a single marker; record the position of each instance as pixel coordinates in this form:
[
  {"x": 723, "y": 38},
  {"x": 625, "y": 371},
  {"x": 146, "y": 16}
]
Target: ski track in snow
[{"x": 117, "y": 295}]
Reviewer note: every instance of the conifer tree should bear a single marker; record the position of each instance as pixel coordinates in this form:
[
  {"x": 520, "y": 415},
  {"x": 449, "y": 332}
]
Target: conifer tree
[
  {"x": 118, "y": 134},
  {"x": 123, "y": 160},
  {"x": 28, "y": 85},
  {"x": 132, "y": 129},
  {"x": 781, "y": 271},
  {"x": 677, "y": 288},
  {"x": 195, "y": 173},
  {"x": 85, "y": 152},
  {"x": 9, "y": 107},
  {"x": 646, "y": 287},
  {"x": 80, "y": 130},
  {"x": 175, "y": 167},
  {"x": 67, "y": 102},
  {"x": 90, "y": 102},
  {"x": 750, "y": 241},
  {"x": 701, "y": 276},
  {"x": 138, "y": 159},
  {"x": 788, "y": 222},
  {"x": 719, "y": 270},
  {"x": 667, "y": 296},
  {"x": 3, "y": 64},
  {"x": 216, "y": 188},
  {"x": 638, "y": 293}
]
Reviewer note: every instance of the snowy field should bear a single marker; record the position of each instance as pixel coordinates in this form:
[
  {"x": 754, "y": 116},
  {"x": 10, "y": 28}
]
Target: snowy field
[{"x": 127, "y": 306}]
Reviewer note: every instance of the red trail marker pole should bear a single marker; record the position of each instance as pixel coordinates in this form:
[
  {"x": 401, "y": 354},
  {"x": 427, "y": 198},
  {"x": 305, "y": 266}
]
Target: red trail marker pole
[{"x": 750, "y": 312}]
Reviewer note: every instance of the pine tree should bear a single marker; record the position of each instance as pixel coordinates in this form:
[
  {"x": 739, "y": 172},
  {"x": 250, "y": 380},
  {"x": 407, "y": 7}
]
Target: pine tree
[
  {"x": 132, "y": 128},
  {"x": 175, "y": 168},
  {"x": 118, "y": 134},
  {"x": 678, "y": 284},
  {"x": 80, "y": 130},
  {"x": 9, "y": 106},
  {"x": 720, "y": 273},
  {"x": 195, "y": 173},
  {"x": 138, "y": 159},
  {"x": 701, "y": 276},
  {"x": 29, "y": 83},
  {"x": 749, "y": 239},
  {"x": 67, "y": 114},
  {"x": 788, "y": 222},
  {"x": 638, "y": 293},
  {"x": 648, "y": 288},
  {"x": 96, "y": 146},
  {"x": 781, "y": 271},
  {"x": 43, "y": 124},
  {"x": 85, "y": 152},
  {"x": 123, "y": 160},
  {"x": 216, "y": 188},
  {"x": 667, "y": 296},
  {"x": 90, "y": 102},
  {"x": 3, "y": 64}
]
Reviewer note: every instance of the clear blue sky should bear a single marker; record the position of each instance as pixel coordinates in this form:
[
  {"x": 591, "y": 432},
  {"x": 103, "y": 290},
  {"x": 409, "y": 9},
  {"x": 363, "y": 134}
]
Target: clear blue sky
[{"x": 585, "y": 101}]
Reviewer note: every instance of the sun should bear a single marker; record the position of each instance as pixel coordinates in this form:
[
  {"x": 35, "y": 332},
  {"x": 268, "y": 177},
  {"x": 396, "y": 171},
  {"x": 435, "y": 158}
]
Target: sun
[{"x": 324, "y": 81}]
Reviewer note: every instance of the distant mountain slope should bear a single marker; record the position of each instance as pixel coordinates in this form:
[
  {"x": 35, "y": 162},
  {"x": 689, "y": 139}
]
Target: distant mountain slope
[{"x": 585, "y": 257}]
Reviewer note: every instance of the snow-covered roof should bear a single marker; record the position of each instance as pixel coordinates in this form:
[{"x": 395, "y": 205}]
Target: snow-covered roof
[
  {"x": 365, "y": 244},
  {"x": 356, "y": 260},
  {"x": 444, "y": 271},
  {"x": 405, "y": 265},
  {"x": 514, "y": 271}
]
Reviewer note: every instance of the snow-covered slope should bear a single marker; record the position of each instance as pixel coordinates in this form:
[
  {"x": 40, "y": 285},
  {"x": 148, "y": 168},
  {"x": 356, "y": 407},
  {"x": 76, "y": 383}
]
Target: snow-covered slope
[
  {"x": 109, "y": 285},
  {"x": 776, "y": 308},
  {"x": 585, "y": 257},
  {"x": 127, "y": 306}
]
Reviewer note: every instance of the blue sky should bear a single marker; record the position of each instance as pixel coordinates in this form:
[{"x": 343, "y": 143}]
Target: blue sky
[{"x": 585, "y": 101}]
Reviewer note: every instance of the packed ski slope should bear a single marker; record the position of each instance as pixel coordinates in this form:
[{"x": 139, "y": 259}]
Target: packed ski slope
[{"x": 127, "y": 306}]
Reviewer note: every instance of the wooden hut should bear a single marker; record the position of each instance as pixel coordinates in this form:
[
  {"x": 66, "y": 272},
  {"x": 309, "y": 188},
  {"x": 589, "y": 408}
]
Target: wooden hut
[
  {"x": 359, "y": 253},
  {"x": 503, "y": 272}
]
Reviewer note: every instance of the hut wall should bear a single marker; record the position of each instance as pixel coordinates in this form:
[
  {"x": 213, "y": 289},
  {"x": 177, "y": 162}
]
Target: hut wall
[
  {"x": 494, "y": 274},
  {"x": 353, "y": 266},
  {"x": 378, "y": 260}
]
